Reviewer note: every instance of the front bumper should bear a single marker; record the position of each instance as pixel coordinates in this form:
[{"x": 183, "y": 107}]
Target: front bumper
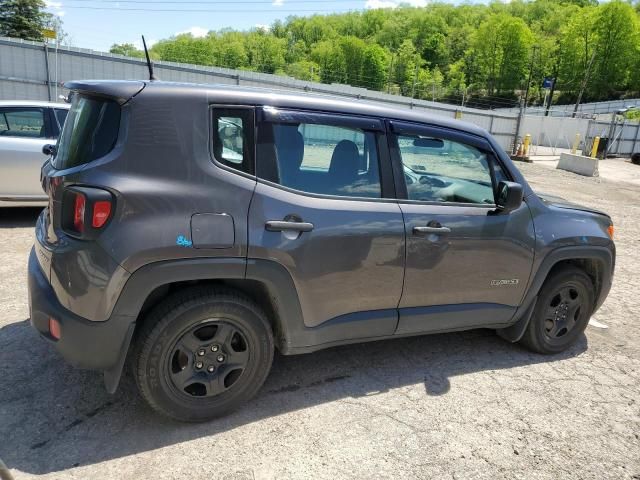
[{"x": 83, "y": 343}]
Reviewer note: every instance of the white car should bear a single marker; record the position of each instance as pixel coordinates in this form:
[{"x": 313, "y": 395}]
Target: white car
[{"x": 25, "y": 127}]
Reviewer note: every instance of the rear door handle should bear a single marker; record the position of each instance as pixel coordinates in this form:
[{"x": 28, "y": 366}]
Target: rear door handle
[
  {"x": 283, "y": 225},
  {"x": 439, "y": 230}
]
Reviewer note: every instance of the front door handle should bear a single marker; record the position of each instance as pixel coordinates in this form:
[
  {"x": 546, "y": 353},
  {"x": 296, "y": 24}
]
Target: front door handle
[
  {"x": 438, "y": 230},
  {"x": 284, "y": 225}
]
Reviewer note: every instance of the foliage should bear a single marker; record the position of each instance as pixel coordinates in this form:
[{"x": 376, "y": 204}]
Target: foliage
[
  {"x": 127, "y": 49},
  {"x": 484, "y": 51},
  {"x": 25, "y": 19}
]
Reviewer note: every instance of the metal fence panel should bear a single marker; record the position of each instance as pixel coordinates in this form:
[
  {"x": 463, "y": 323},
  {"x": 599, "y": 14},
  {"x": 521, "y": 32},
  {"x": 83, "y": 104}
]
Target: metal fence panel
[
  {"x": 554, "y": 132},
  {"x": 623, "y": 137},
  {"x": 584, "y": 109}
]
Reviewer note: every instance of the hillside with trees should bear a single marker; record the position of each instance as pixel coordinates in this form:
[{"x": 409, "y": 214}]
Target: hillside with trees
[{"x": 478, "y": 54}]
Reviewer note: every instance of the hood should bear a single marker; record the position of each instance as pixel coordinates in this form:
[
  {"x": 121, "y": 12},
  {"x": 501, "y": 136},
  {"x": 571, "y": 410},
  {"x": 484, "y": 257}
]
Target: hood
[{"x": 559, "y": 202}]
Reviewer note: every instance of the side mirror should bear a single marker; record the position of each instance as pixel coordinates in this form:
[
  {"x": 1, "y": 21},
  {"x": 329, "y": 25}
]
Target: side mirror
[
  {"x": 49, "y": 149},
  {"x": 509, "y": 196}
]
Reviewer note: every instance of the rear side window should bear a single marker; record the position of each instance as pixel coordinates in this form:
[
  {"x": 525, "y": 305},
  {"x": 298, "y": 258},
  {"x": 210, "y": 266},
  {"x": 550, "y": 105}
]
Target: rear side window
[
  {"x": 61, "y": 116},
  {"x": 22, "y": 122},
  {"x": 90, "y": 131},
  {"x": 233, "y": 144}
]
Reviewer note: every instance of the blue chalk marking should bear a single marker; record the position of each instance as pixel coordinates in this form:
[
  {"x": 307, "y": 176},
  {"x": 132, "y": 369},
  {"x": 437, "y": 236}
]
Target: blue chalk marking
[{"x": 182, "y": 241}]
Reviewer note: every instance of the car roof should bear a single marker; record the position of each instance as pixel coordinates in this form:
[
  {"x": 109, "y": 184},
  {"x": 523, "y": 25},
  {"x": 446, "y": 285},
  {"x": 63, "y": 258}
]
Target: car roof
[
  {"x": 241, "y": 95},
  {"x": 32, "y": 103}
]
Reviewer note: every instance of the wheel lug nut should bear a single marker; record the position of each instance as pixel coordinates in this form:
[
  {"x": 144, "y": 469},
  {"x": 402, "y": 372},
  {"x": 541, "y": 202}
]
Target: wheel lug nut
[
  {"x": 201, "y": 352},
  {"x": 211, "y": 369},
  {"x": 199, "y": 365},
  {"x": 220, "y": 358},
  {"x": 215, "y": 348}
]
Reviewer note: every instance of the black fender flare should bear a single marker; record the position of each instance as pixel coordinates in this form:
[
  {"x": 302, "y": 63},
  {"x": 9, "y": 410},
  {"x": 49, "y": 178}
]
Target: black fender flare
[
  {"x": 523, "y": 314},
  {"x": 146, "y": 279}
]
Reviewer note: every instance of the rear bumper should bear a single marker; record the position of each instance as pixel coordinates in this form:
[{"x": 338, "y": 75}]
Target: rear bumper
[{"x": 83, "y": 343}]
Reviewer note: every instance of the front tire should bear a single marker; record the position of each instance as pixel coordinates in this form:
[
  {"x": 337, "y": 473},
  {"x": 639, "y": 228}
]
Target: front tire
[
  {"x": 202, "y": 353},
  {"x": 562, "y": 311}
]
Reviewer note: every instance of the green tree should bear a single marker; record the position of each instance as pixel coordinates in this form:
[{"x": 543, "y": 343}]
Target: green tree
[
  {"x": 23, "y": 19},
  {"x": 456, "y": 78},
  {"x": 265, "y": 52},
  {"x": 407, "y": 61},
  {"x": 304, "y": 70},
  {"x": 229, "y": 49},
  {"x": 330, "y": 58},
  {"x": 502, "y": 46},
  {"x": 575, "y": 48},
  {"x": 374, "y": 67},
  {"x": 353, "y": 51},
  {"x": 616, "y": 31},
  {"x": 126, "y": 49}
]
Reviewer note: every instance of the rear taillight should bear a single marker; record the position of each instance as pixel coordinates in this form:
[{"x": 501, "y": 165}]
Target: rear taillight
[
  {"x": 86, "y": 211},
  {"x": 101, "y": 213},
  {"x": 79, "y": 204},
  {"x": 54, "y": 328}
]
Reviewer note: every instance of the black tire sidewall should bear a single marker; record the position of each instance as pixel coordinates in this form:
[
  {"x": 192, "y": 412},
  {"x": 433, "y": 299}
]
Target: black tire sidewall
[
  {"x": 153, "y": 359},
  {"x": 537, "y": 339}
]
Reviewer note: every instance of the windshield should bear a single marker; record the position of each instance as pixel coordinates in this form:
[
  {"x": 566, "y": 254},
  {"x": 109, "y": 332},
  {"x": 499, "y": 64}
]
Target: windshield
[{"x": 90, "y": 131}]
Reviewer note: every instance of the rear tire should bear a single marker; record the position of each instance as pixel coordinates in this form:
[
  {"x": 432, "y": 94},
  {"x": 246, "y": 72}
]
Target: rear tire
[
  {"x": 562, "y": 311},
  {"x": 203, "y": 352}
]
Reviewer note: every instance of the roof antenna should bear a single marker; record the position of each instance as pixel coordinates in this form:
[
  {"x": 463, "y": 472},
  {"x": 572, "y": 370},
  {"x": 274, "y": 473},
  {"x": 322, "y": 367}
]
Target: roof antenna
[{"x": 149, "y": 64}]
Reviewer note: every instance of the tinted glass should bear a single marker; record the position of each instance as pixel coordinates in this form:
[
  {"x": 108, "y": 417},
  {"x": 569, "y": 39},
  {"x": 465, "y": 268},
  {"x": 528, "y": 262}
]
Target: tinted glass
[
  {"x": 440, "y": 170},
  {"x": 90, "y": 131},
  {"x": 22, "y": 122},
  {"x": 322, "y": 159},
  {"x": 61, "y": 115},
  {"x": 233, "y": 138}
]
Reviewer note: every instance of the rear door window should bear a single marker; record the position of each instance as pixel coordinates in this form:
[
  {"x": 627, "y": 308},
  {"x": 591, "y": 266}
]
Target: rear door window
[
  {"x": 321, "y": 158},
  {"x": 90, "y": 131},
  {"x": 22, "y": 122}
]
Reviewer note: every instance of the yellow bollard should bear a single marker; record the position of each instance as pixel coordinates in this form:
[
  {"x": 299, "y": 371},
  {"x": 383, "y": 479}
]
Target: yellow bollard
[
  {"x": 527, "y": 142},
  {"x": 594, "y": 148},
  {"x": 576, "y": 142}
]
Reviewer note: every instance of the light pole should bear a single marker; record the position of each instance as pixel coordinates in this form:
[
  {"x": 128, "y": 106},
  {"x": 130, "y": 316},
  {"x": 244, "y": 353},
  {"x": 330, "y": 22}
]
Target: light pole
[{"x": 526, "y": 93}]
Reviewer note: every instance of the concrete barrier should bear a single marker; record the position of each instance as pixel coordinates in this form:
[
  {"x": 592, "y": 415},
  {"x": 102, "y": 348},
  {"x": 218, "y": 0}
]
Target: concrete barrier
[{"x": 580, "y": 164}]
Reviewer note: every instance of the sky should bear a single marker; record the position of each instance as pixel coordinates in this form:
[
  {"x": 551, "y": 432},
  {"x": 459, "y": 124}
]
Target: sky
[{"x": 97, "y": 24}]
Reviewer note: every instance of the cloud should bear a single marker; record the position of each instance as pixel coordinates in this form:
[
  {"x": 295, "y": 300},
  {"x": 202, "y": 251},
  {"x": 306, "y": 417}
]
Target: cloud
[
  {"x": 395, "y": 3},
  {"x": 56, "y": 7},
  {"x": 263, "y": 27},
  {"x": 278, "y": 3},
  {"x": 197, "y": 32},
  {"x": 138, "y": 43}
]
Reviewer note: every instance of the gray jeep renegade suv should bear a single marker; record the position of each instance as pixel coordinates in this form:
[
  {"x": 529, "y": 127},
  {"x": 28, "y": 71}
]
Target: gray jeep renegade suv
[{"x": 194, "y": 229}]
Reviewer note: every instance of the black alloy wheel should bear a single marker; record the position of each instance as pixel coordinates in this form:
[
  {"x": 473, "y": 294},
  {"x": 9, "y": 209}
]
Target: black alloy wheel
[
  {"x": 202, "y": 352},
  {"x": 563, "y": 308},
  {"x": 209, "y": 358}
]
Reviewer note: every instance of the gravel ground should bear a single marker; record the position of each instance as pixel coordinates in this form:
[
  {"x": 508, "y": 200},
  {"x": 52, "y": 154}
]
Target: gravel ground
[{"x": 463, "y": 405}]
